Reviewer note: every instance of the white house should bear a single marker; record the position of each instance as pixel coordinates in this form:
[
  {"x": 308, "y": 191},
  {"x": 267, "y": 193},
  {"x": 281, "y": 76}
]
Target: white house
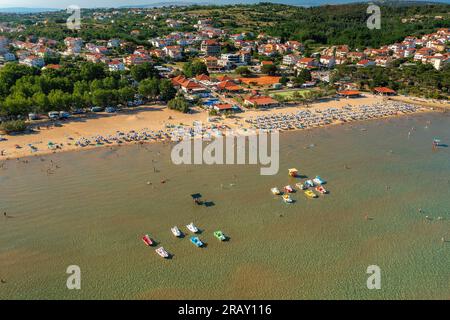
[
  {"x": 33, "y": 61},
  {"x": 116, "y": 65}
]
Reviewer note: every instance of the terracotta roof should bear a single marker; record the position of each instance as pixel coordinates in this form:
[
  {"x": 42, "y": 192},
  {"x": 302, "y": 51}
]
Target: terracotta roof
[
  {"x": 210, "y": 42},
  {"x": 383, "y": 90},
  {"x": 262, "y": 100},
  {"x": 224, "y": 78},
  {"x": 306, "y": 60},
  {"x": 228, "y": 85},
  {"x": 202, "y": 77},
  {"x": 178, "y": 80},
  {"x": 349, "y": 93},
  {"x": 189, "y": 84}
]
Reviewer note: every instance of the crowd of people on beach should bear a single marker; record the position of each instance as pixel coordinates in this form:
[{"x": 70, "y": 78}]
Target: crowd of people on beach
[
  {"x": 305, "y": 119},
  {"x": 302, "y": 119}
]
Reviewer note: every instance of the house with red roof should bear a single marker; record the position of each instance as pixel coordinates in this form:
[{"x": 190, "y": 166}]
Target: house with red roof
[
  {"x": 223, "y": 107},
  {"x": 137, "y": 59},
  {"x": 116, "y": 65},
  {"x": 212, "y": 63},
  {"x": 210, "y": 47},
  {"x": 349, "y": 93},
  {"x": 328, "y": 61},
  {"x": 228, "y": 86},
  {"x": 384, "y": 91},
  {"x": 261, "y": 102},
  {"x": 365, "y": 63},
  {"x": 307, "y": 63}
]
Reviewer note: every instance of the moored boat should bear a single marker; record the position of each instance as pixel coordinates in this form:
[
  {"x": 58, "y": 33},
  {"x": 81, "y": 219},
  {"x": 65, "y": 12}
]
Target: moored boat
[
  {"x": 287, "y": 198},
  {"x": 176, "y": 232},
  {"x": 310, "y": 194},
  {"x": 275, "y": 191},
  {"x": 321, "y": 189},
  {"x": 436, "y": 142},
  {"x": 196, "y": 241},
  {"x": 301, "y": 186},
  {"x": 147, "y": 240},
  {"x": 293, "y": 172},
  {"x": 219, "y": 235},
  {"x": 288, "y": 189},
  {"x": 191, "y": 227},
  {"x": 309, "y": 183},
  {"x": 318, "y": 180},
  {"x": 162, "y": 252}
]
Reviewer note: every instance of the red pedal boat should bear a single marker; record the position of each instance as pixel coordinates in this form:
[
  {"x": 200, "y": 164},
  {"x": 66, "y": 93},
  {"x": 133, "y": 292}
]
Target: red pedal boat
[
  {"x": 147, "y": 240},
  {"x": 321, "y": 189}
]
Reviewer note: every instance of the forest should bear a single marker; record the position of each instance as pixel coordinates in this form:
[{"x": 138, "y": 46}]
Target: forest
[
  {"x": 24, "y": 89},
  {"x": 320, "y": 25}
]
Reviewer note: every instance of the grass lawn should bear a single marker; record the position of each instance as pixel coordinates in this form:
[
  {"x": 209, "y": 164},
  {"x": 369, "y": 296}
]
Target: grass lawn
[{"x": 289, "y": 94}]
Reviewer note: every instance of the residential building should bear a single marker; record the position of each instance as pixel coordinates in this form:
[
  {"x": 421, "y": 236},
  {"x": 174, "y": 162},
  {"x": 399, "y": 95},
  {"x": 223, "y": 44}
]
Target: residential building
[{"x": 210, "y": 47}]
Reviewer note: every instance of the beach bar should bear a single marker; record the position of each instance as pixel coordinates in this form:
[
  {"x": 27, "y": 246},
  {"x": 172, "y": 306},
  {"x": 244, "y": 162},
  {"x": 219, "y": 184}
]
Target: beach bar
[
  {"x": 384, "y": 91},
  {"x": 349, "y": 93}
]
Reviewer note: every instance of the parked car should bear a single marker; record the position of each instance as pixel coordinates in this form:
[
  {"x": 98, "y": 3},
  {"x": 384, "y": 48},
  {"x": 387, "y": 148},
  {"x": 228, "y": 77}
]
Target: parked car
[
  {"x": 54, "y": 115},
  {"x": 78, "y": 111},
  {"x": 96, "y": 109},
  {"x": 33, "y": 116},
  {"x": 110, "y": 109},
  {"x": 64, "y": 115}
]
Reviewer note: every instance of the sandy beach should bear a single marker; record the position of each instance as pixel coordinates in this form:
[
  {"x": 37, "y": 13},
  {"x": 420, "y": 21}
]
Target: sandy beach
[{"x": 151, "y": 117}]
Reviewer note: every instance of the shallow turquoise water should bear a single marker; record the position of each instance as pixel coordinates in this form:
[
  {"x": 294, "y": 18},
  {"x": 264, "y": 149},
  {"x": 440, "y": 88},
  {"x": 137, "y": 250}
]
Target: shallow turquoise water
[{"x": 93, "y": 209}]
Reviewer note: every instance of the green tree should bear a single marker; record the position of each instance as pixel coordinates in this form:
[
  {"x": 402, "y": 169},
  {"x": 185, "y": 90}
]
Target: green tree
[
  {"x": 149, "y": 88},
  {"x": 179, "y": 103},
  {"x": 90, "y": 71},
  {"x": 143, "y": 71},
  {"x": 304, "y": 75},
  {"x": 243, "y": 71},
  {"x": 194, "y": 68},
  {"x": 269, "y": 69},
  {"x": 59, "y": 100},
  {"x": 126, "y": 94},
  {"x": 41, "y": 102},
  {"x": 167, "y": 91}
]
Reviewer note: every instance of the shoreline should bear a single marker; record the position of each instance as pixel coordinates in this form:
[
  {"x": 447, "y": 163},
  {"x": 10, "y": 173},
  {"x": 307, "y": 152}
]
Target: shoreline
[{"x": 162, "y": 123}]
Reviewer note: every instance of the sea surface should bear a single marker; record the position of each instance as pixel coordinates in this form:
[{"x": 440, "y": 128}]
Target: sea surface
[{"x": 389, "y": 206}]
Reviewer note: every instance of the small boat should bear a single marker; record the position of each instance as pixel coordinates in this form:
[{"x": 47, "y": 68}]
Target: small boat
[
  {"x": 293, "y": 172},
  {"x": 162, "y": 252},
  {"x": 288, "y": 189},
  {"x": 318, "y": 180},
  {"x": 147, "y": 240},
  {"x": 436, "y": 142},
  {"x": 196, "y": 241},
  {"x": 321, "y": 189},
  {"x": 310, "y": 194},
  {"x": 191, "y": 227},
  {"x": 219, "y": 235},
  {"x": 287, "y": 198},
  {"x": 176, "y": 232},
  {"x": 275, "y": 191},
  {"x": 309, "y": 183},
  {"x": 301, "y": 186}
]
